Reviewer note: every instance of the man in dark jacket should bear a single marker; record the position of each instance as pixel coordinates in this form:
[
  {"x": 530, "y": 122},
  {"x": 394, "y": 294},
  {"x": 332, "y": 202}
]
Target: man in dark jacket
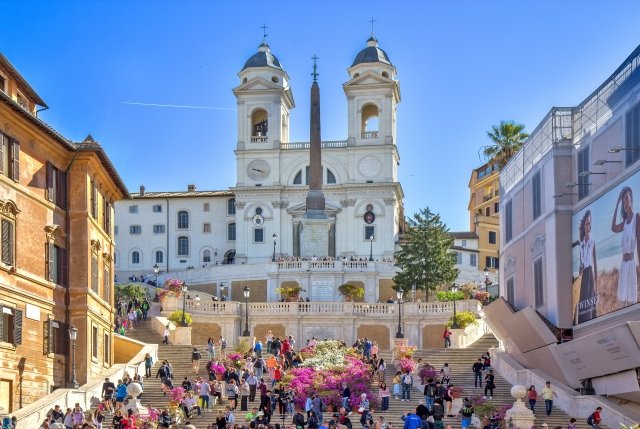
[{"x": 478, "y": 367}]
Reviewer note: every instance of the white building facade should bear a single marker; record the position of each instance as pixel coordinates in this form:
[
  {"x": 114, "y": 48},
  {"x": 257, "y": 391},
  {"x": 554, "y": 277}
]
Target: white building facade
[{"x": 259, "y": 218}]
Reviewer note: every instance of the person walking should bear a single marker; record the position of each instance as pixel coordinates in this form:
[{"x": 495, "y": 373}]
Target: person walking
[
  {"x": 489, "y": 384},
  {"x": 595, "y": 418},
  {"x": 397, "y": 380},
  {"x": 148, "y": 363},
  {"x": 477, "y": 368},
  {"x": 466, "y": 412},
  {"x": 166, "y": 335},
  {"x": 407, "y": 383},
  {"x": 384, "y": 394},
  {"x": 429, "y": 394},
  {"x": 548, "y": 394},
  {"x": 446, "y": 335},
  {"x": 411, "y": 421},
  {"x": 195, "y": 360},
  {"x": 532, "y": 396}
]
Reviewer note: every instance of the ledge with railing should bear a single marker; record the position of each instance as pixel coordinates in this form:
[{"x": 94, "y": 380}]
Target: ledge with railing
[
  {"x": 334, "y": 265},
  {"x": 259, "y": 139},
  {"x": 331, "y": 144},
  {"x": 369, "y": 135},
  {"x": 320, "y": 308}
]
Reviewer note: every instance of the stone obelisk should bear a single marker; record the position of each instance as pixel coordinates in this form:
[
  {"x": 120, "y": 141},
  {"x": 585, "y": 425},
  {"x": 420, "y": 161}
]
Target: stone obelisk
[{"x": 315, "y": 236}]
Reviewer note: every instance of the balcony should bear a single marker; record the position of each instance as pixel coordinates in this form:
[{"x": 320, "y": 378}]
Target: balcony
[
  {"x": 306, "y": 145},
  {"x": 369, "y": 135},
  {"x": 334, "y": 266},
  {"x": 259, "y": 139}
]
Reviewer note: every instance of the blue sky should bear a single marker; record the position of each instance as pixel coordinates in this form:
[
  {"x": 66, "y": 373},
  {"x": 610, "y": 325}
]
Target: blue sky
[{"x": 463, "y": 66}]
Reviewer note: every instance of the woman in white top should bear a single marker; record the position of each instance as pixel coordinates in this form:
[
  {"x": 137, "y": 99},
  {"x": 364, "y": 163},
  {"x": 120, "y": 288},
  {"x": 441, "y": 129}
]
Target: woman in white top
[
  {"x": 588, "y": 271},
  {"x": 627, "y": 277}
]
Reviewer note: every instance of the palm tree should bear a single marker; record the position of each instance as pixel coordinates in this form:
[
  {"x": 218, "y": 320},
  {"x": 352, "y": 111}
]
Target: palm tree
[{"x": 508, "y": 138}]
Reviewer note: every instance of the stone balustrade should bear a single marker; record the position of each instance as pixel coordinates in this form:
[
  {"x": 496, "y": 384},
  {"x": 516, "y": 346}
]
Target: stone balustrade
[
  {"x": 335, "y": 309},
  {"x": 335, "y": 266}
]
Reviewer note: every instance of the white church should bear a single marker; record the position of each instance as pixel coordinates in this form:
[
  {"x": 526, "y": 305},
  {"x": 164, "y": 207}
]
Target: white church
[{"x": 252, "y": 232}]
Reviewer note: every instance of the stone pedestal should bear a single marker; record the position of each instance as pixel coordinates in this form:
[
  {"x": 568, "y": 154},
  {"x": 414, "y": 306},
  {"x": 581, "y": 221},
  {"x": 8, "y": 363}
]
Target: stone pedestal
[
  {"x": 181, "y": 336},
  {"x": 519, "y": 415},
  {"x": 315, "y": 238},
  {"x": 247, "y": 340}
]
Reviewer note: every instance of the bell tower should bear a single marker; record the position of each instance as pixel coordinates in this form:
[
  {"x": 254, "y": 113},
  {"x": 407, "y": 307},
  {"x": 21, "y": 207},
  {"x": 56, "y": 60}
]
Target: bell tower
[
  {"x": 372, "y": 95},
  {"x": 264, "y": 102}
]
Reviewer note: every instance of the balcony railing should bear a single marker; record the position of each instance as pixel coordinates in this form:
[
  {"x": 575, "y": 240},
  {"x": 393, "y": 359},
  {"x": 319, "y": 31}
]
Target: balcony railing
[
  {"x": 370, "y": 135},
  {"x": 333, "y": 309},
  {"x": 306, "y": 145},
  {"x": 335, "y": 265},
  {"x": 259, "y": 139}
]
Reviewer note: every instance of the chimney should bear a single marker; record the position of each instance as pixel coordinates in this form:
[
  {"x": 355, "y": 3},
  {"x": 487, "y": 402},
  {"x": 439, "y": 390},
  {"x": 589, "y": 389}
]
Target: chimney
[
  {"x": 191, "y": 188},
  {"x": 142, "y": 190}
]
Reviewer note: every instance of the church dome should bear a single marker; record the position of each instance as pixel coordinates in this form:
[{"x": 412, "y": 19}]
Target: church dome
[
  {"x": 371, "y": 54},
  {"x": 263, "y": 58}
]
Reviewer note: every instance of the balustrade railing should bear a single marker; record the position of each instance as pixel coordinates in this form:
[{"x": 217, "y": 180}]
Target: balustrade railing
[
  {"x": 370, "y": 135},
  {"x": 259, "y": 139},
  {"x": 333, "y": 265},
  {"x": 336, "y": 309},
  {"x": 305, "y": 145}
]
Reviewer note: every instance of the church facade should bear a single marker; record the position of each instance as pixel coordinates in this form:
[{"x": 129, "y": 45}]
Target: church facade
[{"x": 261, "y": 217}]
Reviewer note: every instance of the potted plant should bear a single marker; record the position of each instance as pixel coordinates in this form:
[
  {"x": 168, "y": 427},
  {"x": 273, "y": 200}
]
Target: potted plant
[
  {"x": 406, "y": 364},
  {"x": 291, "y": 293},
  {"x": 176, "y": 318},
  {"x": 218, "y": 369},
  {"x": 463, "y": 319},
  {"x": 426, "y": 372},
  {"x": 468, "y": 290},
  {"x": 349, "y": 291}
]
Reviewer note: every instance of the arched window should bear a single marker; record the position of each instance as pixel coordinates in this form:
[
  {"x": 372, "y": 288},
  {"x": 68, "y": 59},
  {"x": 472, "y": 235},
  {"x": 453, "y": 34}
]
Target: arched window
[
  {"x": 183, "y": 219},
  {"x": 331, "y": 178},
  {"x": 231, "y": 206},
  {"x": 298, "y": 179},
  {"x": 259, "y": 126},
  {"x": 206, "y": 256},
  {"x": 135, "y": 257},
  {"x": 183, "y": 246},
  {"x": 159, "y": 257},
  {"x": 370, "y": 122},
  {"x": 231, "y": 232}
]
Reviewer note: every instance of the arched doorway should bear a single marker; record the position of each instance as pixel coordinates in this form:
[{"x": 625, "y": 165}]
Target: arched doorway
[{"x": 229, "y": 257}]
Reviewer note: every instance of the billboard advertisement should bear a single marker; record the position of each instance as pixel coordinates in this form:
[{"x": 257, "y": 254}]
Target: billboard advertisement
[{"x": 606, "y": 251}]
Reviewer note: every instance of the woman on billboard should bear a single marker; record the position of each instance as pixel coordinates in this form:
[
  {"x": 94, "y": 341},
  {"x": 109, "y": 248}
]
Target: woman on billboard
[
  {"x": 588, "y": 271},
  {"x": 627, "y": 276}
]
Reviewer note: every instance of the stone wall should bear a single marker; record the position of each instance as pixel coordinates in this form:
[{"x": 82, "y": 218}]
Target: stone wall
[{"x": 377, "y": 333}]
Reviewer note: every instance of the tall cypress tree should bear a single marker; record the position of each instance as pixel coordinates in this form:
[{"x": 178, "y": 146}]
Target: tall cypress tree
[{"x": 425, "y": 259}]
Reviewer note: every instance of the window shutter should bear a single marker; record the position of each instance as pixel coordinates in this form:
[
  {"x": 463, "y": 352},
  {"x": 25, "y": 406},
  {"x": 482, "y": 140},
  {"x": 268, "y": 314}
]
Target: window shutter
[
  {"x": 50, "y": 338},
  {"x": 15, "y": 161},
  {"x": 3, "y": 147},
  {"x": 2, "y": 337},
  {"x": 51, "y": 196},
  {"x": 61, "y": 192},
  {"x": 7, "y": 242},
  {"x": 107, "y": 218},
  {"x": 17, "y": 327},
  {"x": 63, "y": 331},
  {"x": 50, "y": 260}
]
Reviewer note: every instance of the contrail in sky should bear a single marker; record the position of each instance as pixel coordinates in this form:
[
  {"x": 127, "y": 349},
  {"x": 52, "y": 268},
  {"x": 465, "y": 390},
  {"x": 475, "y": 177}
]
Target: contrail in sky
[{"x": 176, "y": 106}]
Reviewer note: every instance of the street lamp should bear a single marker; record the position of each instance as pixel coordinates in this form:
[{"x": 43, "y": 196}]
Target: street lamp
[
  {"x": 399, "y": 294},
  {"x": 275, "y": 237},
  {"x": 371, "y": 248},
  {"x": 454, "y": 289},
  {"x": 156, "y": 270},
  {"x": 246, "y": 291},
  {"x": 73, "y": 335},
  {"x": 487, "y": 282},
  {"x": 184, "y": 303}
]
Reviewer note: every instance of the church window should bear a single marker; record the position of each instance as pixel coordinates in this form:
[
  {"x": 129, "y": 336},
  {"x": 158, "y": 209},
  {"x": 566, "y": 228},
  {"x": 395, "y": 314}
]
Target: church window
[
  {"x": 135, "y": 257},
  {"x": 231, "y": 232},
  {"x": 158, "y": 229},
  {"x": 135, "y": 229},
  {"x": 183, "y": 219},
  {"x": 297, "y": 180},
  {"x": 385, "y": 74},
  {"x": 206, "y": 256},
  {"x": 331, "y": 178},
  {"x": 231, "y": 206},
  {"x": 205, "y": 207},
  {"x": 259, "y": 126},
  {"x": 183, "y": 246},
  {"x": 275, "y": 79},
  {"x": 258, "y": 210},
  {"x": 159, "y": 257},
  {"x": 244, "y": 80},
  {"x": 206, "y": 227},
  {"x": 369, "y": 231},
  {"x": 370, "y": 121},
  {"x": 258, "y": 235}
]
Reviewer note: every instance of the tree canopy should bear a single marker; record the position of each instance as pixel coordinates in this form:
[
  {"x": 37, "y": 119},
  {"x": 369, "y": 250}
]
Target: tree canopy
[
  {"x": 425, "y": 259},
  {"x": 508, "y": 137}
]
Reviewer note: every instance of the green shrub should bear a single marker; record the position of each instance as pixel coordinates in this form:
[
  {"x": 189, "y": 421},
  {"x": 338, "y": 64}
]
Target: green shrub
[
  {"x": 176, "y": 318},
  {"x": 464, "y": 319},
  {"x": 446, "y": 295}
]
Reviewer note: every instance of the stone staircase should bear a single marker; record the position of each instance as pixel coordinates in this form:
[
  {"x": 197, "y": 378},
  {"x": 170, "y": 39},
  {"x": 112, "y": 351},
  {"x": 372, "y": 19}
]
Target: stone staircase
[{"x": 460, "y": 361}]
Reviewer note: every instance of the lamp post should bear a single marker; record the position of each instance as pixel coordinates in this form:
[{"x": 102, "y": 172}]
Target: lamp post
[
  {"x": 156, "y": 270},
  {"x": 73, "y": 335},
  {"x": 184, "y": 303},
  {"x": 246, "y": 291},
  {"x": 275, "y": 237},
  {"x": 371, "y": 248},
  {"x": 399, "y": 294},
  {"x": 454, "y": 289}
]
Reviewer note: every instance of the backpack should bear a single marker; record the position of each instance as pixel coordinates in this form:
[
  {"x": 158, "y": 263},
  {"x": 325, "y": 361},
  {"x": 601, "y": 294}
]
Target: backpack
[
  {"x": 590, "y": 420},
  {"x": 162, "y": 372},
  {"x": 431, "y": 390},
  {"x": 407, "y": 379},
  {"x": 258, "y": 363},
  {"x": 195, "y": 355}
]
